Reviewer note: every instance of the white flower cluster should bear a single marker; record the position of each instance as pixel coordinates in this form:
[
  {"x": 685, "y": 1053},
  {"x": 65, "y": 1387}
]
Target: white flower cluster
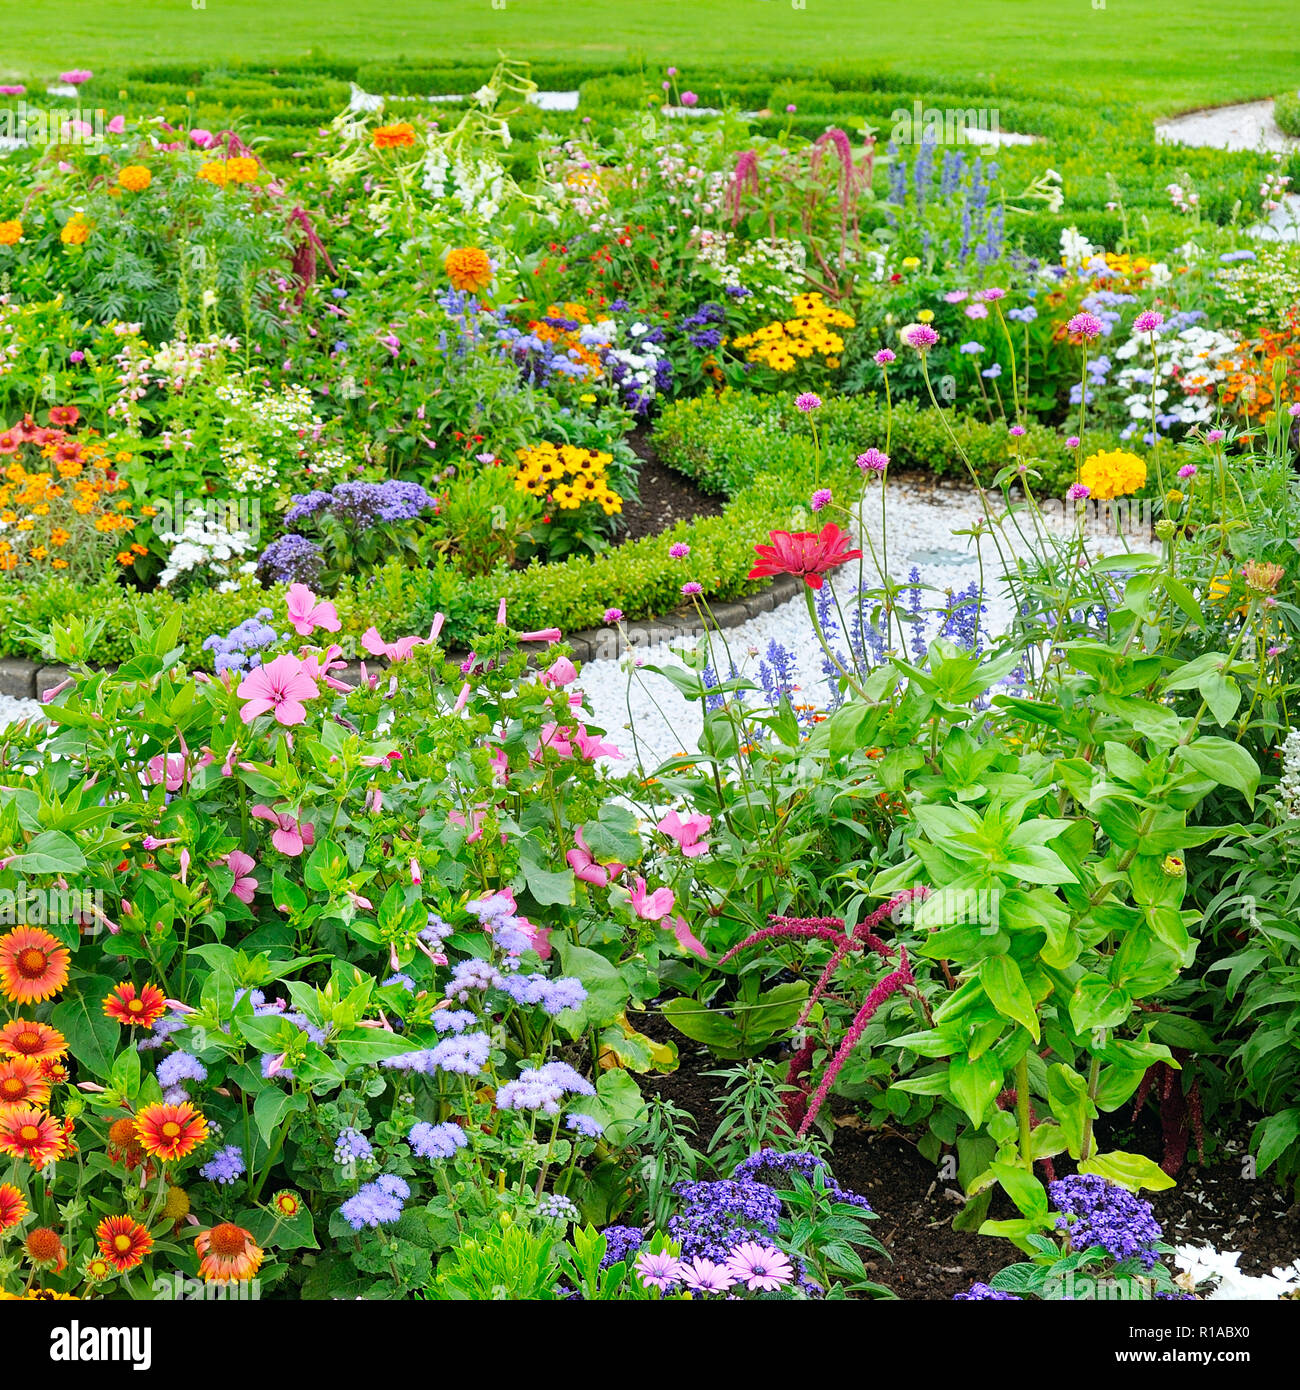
[
  {"x": 771, "y": 269},
  {"x": 1289, "y": 786},
  {"x": 205, "y": 545},
  {"x": 1202, "y": 1264},
  {"x": 1186, "y": 375},
  {"x": 640, "y": 358},
  {"x": 269, "y": 431},
  {"x": 479, "y": 187}
]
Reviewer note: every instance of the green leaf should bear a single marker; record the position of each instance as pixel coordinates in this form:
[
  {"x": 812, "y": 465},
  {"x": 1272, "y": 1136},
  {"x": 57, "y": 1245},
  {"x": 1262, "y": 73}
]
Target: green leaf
[
  {"x": 1005, "y": 986},
  {"x": 975, "y": 1084},
  {"x": 607, "y": 991},
  {"x": 1023, "y": 1188},
  {"x": 51, "y": 852},
  {"x": 92, "y": 1036},
  {"x": 1275, "y": 1136},
  {"x": 1128, "y": 1170},
  {"x": 1227, "y": 762},
  {"x": 271, "y": 1107},
  {"x": 1096, "y": 1004},
  {"x": 1068, "y": 1093}
]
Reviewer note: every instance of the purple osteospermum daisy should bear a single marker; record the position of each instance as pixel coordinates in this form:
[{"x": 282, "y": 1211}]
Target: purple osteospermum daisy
[
  {"x": 691, "y": 589},
  {"x": 807, "y": 401},
  {"x": 759, "y": 1266},
  {"x": 1148, "y": 321},
  {"x": 679, "y": 551},
  {"x": 659, "y": 1271},
  {"x": 704, "y": 1276},
  {"x": 820, "y": 498},
  {"x": 1086, "y": 326},
  {"x": 874, "y": 460},
  {"x": 884, "y": 357}
]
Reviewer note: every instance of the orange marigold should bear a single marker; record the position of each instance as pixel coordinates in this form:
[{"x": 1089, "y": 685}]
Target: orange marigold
[
  {"x": 11, "y": 232},
  {"x": 469, "y": 269},
  {"x": 399, "y": 136},
  {"x": 135, "y": 178}
]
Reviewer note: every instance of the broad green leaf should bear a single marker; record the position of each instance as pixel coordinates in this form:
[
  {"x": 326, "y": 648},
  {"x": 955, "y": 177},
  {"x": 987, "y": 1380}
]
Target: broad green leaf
[{"x": 1133, "y": 1171}]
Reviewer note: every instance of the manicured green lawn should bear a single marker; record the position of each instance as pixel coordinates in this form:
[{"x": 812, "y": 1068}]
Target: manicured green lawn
[{"x": 1194, "y": 53}]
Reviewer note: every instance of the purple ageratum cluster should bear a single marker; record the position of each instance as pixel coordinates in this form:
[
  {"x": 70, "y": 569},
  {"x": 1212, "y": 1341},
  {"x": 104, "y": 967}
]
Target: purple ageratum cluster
[
  {"x": 986, "y": 1292},
  {"x": 378, "y": 1203},
  {"x": 436, "y": 1141},
  {"x": 352, "y": 1146},
  {"x": 543, "y": 1088},
  {"x": 473, "y": 976},
  {"x": 1096, "y": 1212},
  {"x": 177, "y": 1067},
  {"x": 225, "y": 1166},
  {"x": 237, "y": 649},
  {"x": 464, "y": 1055},
  {"x": 292, "y": 559},
  {"x": 361, "y": 506}
]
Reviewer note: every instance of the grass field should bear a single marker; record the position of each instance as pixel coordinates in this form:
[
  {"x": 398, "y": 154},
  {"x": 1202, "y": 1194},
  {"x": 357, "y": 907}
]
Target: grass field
[{"x": 1194, "y": 53}]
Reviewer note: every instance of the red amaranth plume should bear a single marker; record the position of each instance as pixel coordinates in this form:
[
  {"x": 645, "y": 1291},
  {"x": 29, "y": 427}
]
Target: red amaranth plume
[
  {"x": 1182, "y": 1115},
  {"x": 304, "y": 257},
  {"x": 745, "y": 178}
]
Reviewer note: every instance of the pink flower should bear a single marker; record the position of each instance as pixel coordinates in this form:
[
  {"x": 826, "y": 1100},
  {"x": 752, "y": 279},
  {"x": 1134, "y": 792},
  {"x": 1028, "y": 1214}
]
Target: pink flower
[
  {"x": 117, "y": 125},
  {"x": 659, "y": 1271},
  {"x": 590, "y": 746},
  {"x": 884, "y": 357},
  {"x": 705, "y": 1276},
  {"x": 1188, "y": 470},
  {"x": 613, "y": 615},
  {"x": 241, "y": 864},
  {"x": 586, "y": 867},
  {"x": 545, "y": 634},
  {"x": 759, "y": 1266},
  {"x": 204, "y": 139},
  {"x": 280, "y": 686},
  {"x": 1086, "y": 326},
  {"x": 686, "y": 832},
  {"x": 652, "y": 907},
  {"x": 171, "y": 771},
  {"x": 560, "y": 672},
  {"x": 307, "y": 612},
  {"x": 689, "y": 99},
  {"x": 687, "y": 939},
  {"x": 416, "y": 878},
  {"x": 394, "y": 651},
  {"x": 556, "y": 738},
  {"x": 1148, "y": 321},
  {"x": 679, "y": 551},
  {"x": 874, "y": 460},
  {"x": 920, "y": 336},
  {"x": 290, "y": 836}
]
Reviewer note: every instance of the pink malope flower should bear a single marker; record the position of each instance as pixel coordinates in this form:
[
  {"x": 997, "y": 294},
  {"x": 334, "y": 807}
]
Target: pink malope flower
[
  {"x": 686, "y": 832},
  {"x": 759, "y": 1266},
  {"x": 171, "y": 771},
  {"x": 651, "y": 907},
  {"x": 290, "y": 835},
  {"x": 687, "y": 939},
  {"x": 560, "y": 672},
  {"x": 590, "y": 745},
  {"x": 394, "y": 651},
  {"x": 241, "y": 865},
  {"x": 280, "y": 686},
  {"x": 545, "y": 634},
  {"x": 586, "y": 867},
  {"x": 307, "y": 612}
]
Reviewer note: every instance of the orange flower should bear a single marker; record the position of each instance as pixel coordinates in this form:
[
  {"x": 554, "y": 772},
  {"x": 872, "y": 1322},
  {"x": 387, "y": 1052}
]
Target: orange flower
[
  {"x": 53, "y": 1072},
  {"x": 388, "y": 137},
  {"x": 11, "y": 232},
  {"x": 286, "y": 1204},
  {"x": 227, "y": 1254},
  {"x": 75, "y": 231},
  {"x": 45, "y": 1249},
  {"x": 213, "y": 172},
  {"x": 124, "y": 1241},
  {"x": 469, "y": 269},
  {"x": 169, "y": 1132},
  {"x": 241, "y": 169},
  {"x": 30, "y": 1133},
  {"x": 13, "y": 1206},
  {"x": 135, "y": 178},
  {"x": 21, "y": 1083},
  {"x": 33, "y": 965},
  {"x": 25, "y": 1038},
  {"x": 142, "y": 1010}
]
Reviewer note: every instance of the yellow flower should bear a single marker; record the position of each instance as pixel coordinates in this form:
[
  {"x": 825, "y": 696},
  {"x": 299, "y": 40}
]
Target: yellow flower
[
  {"x": 11, "y": 232},
  {"x": 214, "y": 172},
  {"x": 1112, "y": 473},
  {"x": 469, "y": 269},
  {"x": 911, "y": 262},
  {"x": 926, "y": 316},
  {"x": 135, "y": 178},
  {"x": 1174, "y": 866},
  {"x": 241, "y": 169},
  {"x": 75, "y": 231}
]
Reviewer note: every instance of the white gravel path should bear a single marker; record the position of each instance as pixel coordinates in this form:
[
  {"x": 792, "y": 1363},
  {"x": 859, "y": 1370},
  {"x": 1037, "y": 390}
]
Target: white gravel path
[{"x": 1249, "y": 126}]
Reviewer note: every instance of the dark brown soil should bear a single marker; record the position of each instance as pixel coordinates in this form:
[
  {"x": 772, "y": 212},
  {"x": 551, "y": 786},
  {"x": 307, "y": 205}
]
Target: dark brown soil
[
  {"x": 1211, "y": 1205},
  {"x": 667, "y": 496}
]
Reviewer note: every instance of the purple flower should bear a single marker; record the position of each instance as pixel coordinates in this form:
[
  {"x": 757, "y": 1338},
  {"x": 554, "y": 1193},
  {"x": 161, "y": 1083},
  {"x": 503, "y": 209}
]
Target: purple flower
[
  {"x": 372, "y": 1206},
  {"x": 1078, "y": 492},
  {"x": 987, "y": 1292},
  {"x": 689, "y": 99},
  {"x": 807, "y": 401},
  {"x": 586, "y": 1125},
  {"x": 613, "y": 615},
  {"x": 436, "y": 1141},
  {"x": 759, "y": 1266},
  {"x": 620, "y": 1242},
  {"x": 1293, "y": 410},
  {"x": 352, "y": 1146},
  {"x": 976, "y": 311},
  {"x": 1073, "y": 442},
  {"x": 690, "y": 589},
  {"x": 659, "y": 1271},
  {"x": 1215, "y": 436},
  {"x": 1086, "y": 326},
  {"x": 1096, "y": 1212},
  {"x": 874, "y": 460},
  {"x": 1188, "y": 470},
  {"x": 919, "y": 336},
  {"x": 679, "y": 551},
  {"x": 178, "y": 1067},
  {"x": 990, "y": 295},
  {"x": 704, "y": 1276},
  {"x": 1016, "y": 430},
  {"x": 820, "y": 498},
  {"x": 76, "y": 356},
  {"x": 971, "y": 348},
  {"x": 1148, "y": 321},
  {"x": 884, "y": 357},
  {"x": 225, "y": 1166}
]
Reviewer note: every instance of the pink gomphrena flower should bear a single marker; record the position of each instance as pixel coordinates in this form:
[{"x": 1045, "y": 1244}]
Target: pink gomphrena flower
[
  {"x": 290, "y": 835},
  {"x": 117, "y": 125},
  {"x": 586, "y": 867},
  {"x": 687, "y": 939},
  {"x": 759, "y": 1266},
  {"x": 241, "y": 865},
  {"x": 919, "y": 336},
  {"x": 1078, "y": 492},
  {"x": 1073, "y": 442},
  {"x": 1087, "y": 326},
  {"x": 613, "y": 615},
  {"x": 279, "y": 687},
  {"x": 1188, "y": 470},
  {"x": 548, "y": 635},
  {"x": 679, "y": 550},
  {"x": 590, "y": 745},
  {"x": 1216, "y": 436},
  {"x": 651, "y": 907},
  {"x": 660, "y": 1271},
  {"x": 808, "y": 401},
  {"x": 884, "y": 357},
  {"x": 686, "y": 832},
  {"x": 394, "y": 651},
  {"x": 1148, "y": 321},
  {"x": 560, "y": 672},
  {"x": 820, "y": 499},
  {"x": 873, "y": 460},
  {"x": 706, "y": 1276},
  {"x": 307, "y": 612}
]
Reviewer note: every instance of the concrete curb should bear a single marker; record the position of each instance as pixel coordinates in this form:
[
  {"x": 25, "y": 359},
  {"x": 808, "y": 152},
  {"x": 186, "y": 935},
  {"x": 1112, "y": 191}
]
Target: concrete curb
[{"x": 29, "y": 680}]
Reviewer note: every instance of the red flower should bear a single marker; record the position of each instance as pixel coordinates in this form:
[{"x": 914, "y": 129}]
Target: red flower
[
  {"x": 806, "y": 554},
  {"x": 64, "y": 415}
]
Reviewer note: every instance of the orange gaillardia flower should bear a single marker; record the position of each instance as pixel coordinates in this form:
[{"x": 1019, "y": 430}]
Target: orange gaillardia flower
[
  {"x": 142, "y": 1010},
  {"x": 169, "y": 1132},
  {"x": 13, "y": 1206},
  {"x": 388, "y": 137},
  {"x": 22, "y": 1082},
  {"x": 286, "y": 1204},
  {"x": 228, "y": 1254},
  {"x": 123, "y": 1146},
  {"x": 26, "y": 1038},
  {"x": 45, "y": 1249},
  {"x": 469, "y": 269},
  {"x": 124, "y": 1241},
  {"x": 31, "y": 1133},
  {"x": 135, "y": 178},
  {"x": 33, "y": 965}
]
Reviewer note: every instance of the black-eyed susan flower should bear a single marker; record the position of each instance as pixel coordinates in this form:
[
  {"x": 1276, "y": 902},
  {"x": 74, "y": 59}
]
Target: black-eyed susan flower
[
  {"x": 169, "y": 1132},
  {"x": 123, "y": 1241},
  {"x": 142, "y": 1009},
  {"x": 228, "y": 1254},
  {"x": 33, "y": 965}
]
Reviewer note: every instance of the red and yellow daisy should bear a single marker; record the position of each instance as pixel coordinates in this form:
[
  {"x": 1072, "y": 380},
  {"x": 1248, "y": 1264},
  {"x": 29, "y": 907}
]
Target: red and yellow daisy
[
  {"x": 21, "y": 1082},
  {"x": 141, "y": 1010},
  {"x": 169, "y": 1132},
  {"x": 53, "y": 1071},
  {"x": 13, "y": 1206},
  {"x": 228, "y": 1254},
  {"x": 286, "y": 1204},
  {"x": 97, "y": 1269},
  {"x": 33, "y": 965},
  {"x": 25, "y": 1038},
  {"x": 123, "y": 1241},
  {"x": 30, "y": 1133},
  {"x": 45, "y": 1249}
]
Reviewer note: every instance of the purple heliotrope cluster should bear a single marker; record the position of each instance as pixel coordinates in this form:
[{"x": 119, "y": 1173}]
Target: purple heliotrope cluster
[
  {"x": 361, "y": 506},
  {"x": 240, "y": 648},
  {"x": 1096, "y": 1212}
]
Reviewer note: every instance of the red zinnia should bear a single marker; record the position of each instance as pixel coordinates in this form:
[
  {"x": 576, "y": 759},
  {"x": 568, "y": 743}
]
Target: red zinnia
[
  {"x": 144, "y": 1009},
  {"x": 806, "y": 554}
]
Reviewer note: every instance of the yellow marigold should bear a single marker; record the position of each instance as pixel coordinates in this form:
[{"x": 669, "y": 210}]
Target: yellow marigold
[
  {"x": 1112, "y": 473},
  {"x": 135, "y": 178},
  {"x": 242, "y": 169},
  {"x": 388, "y": 137},
  {"x": 214, "y": 171},
  {"x": 75, "y": 231},
  {"x": 11, "y": 232},
  {"x": 469, "y": 269}
]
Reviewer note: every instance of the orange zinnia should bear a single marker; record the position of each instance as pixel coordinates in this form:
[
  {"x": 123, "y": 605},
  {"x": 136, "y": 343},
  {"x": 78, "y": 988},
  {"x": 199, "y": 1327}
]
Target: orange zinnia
[
  {"x": 31, "y": 1133},
  {"x": 170, "y": 1132},
  {"x": 13, "y": 1206},
  {"x": 227, "y": 1254},
  {"x": 469, "y": 269},
  {"x": 22, "y": 1083},
  {"x": 124, "y": 1241},
  {"x": 26, "y": 1038},
  {"x": 143, "y": 1009},
  {"x": 388, "y": 137},
  {"x": 33, "y": 965}
]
